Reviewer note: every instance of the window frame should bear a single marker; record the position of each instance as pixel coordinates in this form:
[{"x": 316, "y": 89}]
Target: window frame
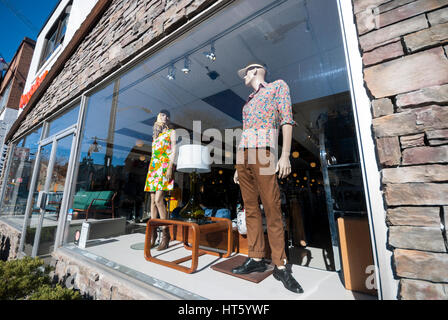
[{"x": 55, "y": 32}]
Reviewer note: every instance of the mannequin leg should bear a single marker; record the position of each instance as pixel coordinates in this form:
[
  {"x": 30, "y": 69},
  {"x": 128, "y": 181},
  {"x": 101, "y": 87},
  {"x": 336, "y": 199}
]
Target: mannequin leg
[
  {"x": 153, "y": 216},
  {"x": 163, "y": 215},
  {"x": 153, "y": 206}
]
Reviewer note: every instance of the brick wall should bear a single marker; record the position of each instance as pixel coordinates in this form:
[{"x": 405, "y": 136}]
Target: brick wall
[
  {"x": 405, "y": 55},
  {"x": 17, "y": 73}
]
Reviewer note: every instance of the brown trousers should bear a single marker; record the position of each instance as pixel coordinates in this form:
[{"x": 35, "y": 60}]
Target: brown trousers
[{"x": 257, "y": 178}]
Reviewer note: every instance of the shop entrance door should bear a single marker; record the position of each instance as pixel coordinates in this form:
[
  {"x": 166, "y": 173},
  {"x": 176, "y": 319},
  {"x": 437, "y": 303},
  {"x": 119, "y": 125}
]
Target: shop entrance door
[{"x": 48, "y": 192}]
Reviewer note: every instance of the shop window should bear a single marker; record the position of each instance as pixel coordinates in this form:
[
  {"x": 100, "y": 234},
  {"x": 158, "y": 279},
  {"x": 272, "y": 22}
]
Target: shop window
[
  {"x": 55, "y": 37},
  {"x": 18, "y": 181},
  {"x": 196, "y": 80},
  {"x": 63, "y": 121}
]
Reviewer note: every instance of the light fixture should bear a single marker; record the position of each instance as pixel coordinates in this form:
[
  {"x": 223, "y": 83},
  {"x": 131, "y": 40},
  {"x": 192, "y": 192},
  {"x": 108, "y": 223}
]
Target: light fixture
[
  {"x": 305, "y": 178},
  {"x": 295, "y": 154},
  {"x": 294, "y": 175},
  {"x": 220, "y": 172},
  {"x": 313, "y": 180},
  {"x": 308, "y": 26},
  {"x": 211, "y": 55},
  {"x": 139, "y": 143},
  {"x": 142, "y": 158},
  {"x": 171, "y": 73},
  {"x": 313, "y": 165},
  {"x": 187, "y": 64}
]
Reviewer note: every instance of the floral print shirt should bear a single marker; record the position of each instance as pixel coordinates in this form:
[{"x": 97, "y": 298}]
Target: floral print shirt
[{"x": 266, "y": 110}]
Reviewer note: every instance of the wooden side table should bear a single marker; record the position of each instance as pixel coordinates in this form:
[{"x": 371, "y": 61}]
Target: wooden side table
[{"x": 216, "y": 225}]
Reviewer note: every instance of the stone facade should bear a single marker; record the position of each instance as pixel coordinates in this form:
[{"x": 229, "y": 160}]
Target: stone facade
[
  {"x": 98, "y": 283},
  {"x": 9, "y": 242},
  {"x": 403, "y": 45}
]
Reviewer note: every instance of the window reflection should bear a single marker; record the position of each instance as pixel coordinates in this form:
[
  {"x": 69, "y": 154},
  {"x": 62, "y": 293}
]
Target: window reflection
[
  {"x": 63, "y": 121},
  {"x": 18, "y": 183}
]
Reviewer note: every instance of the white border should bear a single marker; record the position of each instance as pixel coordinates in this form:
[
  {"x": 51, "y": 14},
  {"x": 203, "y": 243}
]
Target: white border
[{"x": 386, "y": 284}]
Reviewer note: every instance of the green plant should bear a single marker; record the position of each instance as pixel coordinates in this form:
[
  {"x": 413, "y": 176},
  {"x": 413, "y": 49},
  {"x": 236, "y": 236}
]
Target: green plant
[
  {"x": 29, "y": 278},
  {"x": 47, "y": 292}
]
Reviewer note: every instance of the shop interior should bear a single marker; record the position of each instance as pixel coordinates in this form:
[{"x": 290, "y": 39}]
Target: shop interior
[{"x": 195, "y": 79}]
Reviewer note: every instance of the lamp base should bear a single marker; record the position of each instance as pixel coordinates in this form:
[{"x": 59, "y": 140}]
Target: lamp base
[{"x": 192, "y": 209}]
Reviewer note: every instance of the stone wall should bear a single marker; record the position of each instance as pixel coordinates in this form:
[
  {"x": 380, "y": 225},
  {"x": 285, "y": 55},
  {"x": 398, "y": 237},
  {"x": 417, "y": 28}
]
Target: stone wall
[
  {"x": 9, "y": 242},
  {"x": 404, "y": 46},
  {"x": 99, "y": 283}
]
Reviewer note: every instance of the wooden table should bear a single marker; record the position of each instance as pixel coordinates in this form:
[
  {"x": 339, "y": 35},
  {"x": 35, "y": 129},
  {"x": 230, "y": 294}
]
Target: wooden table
[{"x": 215, "y": 225}]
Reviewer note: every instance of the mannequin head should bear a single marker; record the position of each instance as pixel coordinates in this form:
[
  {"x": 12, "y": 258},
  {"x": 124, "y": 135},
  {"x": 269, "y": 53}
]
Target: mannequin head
[
  {"x": 253, "y": 74},
  {"x": 162, "y": 123}
]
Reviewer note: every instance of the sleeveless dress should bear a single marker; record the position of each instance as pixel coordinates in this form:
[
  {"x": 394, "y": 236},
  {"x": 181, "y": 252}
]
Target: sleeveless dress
[{"x": 161, "y": 151}]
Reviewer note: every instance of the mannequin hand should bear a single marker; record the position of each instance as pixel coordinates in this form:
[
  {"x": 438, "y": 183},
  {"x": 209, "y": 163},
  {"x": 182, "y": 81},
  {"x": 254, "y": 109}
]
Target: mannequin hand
[
  {"x": 235, "y": 177},
  {"x": 283, "y": 167}
]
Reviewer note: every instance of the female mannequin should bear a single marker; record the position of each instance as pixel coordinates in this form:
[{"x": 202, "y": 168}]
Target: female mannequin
[{"x": 160, "y": 172}]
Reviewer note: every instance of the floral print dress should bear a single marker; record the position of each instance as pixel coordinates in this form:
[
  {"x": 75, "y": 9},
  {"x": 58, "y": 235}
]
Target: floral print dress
[{"x": 161, "y": 151}]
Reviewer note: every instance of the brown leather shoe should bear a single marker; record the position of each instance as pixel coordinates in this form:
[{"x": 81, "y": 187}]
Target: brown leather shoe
[{"x": 165, "y": 239}]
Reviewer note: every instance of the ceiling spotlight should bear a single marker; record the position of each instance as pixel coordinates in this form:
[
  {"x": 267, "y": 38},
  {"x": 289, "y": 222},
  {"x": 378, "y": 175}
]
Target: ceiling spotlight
[
  {"x": 211, "y": 55},
  {"x": 308, "y": 26},
  {"x": 171, "y": 73},
  {"x": 187, "y": 63},
  {"x": 295, "y": 154}
]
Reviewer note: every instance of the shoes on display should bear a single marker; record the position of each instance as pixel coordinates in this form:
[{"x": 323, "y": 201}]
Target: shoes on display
[
  {"x": 285, "y": 276},
  {"x": 153, "y": 237},
  {"x": 165, "y": 239},
  {"x": 250, "y": 266}
]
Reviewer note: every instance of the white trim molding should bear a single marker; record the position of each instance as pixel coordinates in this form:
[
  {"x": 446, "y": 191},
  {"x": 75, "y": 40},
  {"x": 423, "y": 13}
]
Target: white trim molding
[{"x": 386, "y": 284}]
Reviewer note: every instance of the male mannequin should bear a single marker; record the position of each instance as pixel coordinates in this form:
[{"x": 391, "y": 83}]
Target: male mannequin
[{"x": 267, "y": 109}]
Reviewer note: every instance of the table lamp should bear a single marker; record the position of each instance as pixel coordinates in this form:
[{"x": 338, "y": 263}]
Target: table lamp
[{"x": 193, "y": 159}]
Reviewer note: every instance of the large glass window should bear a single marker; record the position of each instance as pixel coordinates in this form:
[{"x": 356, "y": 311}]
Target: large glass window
[
  {"x": 63, "y": 121},
  {"x": 196, "y": 79},
  {"x": 18, "y": 181}
]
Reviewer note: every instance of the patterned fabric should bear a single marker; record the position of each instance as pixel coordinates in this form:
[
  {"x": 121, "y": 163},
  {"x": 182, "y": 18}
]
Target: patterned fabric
[
  {"x": 161, "y": 151},
  {"x": 266, "y": 110}
]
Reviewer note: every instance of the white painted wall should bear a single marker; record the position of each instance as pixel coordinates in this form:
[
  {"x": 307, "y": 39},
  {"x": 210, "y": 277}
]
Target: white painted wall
[
  {"x": 386, "y": 283},
  {"x": 80, "y": 10}
]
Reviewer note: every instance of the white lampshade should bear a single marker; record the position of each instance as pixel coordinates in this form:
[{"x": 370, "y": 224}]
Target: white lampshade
[{"x": 193, "y": 158}]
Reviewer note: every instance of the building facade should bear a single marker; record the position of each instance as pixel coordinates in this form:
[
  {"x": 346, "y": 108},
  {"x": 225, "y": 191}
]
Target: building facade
[
  {"x": 368, "y": 84},
  {"x": 11, "y": 89}
]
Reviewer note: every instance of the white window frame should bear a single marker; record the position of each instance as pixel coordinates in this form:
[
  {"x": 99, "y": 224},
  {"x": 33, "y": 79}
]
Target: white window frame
[{"x": 386, "y": 284}]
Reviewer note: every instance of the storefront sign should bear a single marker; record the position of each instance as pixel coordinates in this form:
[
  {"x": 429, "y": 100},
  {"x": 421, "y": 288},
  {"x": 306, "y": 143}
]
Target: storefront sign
[
  {"x": 27, "y": 96},
  {"x": 84, "y": 234}
]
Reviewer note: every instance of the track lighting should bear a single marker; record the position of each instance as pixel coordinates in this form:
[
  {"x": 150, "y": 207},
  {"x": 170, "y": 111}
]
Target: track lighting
[
  {"x": 212, "y": 53},
  {"x": 171, "y": 73},
  {"x": 187, "y": 63}
]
